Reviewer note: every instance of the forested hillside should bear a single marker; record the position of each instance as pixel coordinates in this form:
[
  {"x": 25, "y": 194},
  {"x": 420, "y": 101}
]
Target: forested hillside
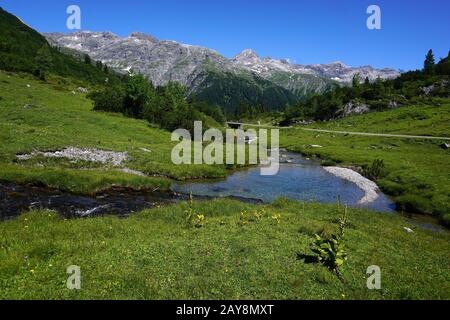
[
  {"x": 410, "y": 88},
  {"x": 23, "y": 49}
]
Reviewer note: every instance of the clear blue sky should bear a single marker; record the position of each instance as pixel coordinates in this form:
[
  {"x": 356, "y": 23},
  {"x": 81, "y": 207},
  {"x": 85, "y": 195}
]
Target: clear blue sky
[{"x": 304, "y": 31}]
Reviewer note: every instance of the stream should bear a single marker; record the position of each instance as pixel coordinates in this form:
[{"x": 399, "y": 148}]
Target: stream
[{"x": 299, "y": 178}]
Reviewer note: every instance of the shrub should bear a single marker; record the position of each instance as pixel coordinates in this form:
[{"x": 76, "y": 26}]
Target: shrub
[
  {"x": 109, "y": 99},
  {"x": 138, "y": 91},
  {"x": 376, "y": 170}
]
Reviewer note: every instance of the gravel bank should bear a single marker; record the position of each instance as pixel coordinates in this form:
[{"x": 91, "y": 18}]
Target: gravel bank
[
  {"x": 94, "y": 155},
  {"x": 369, "y": 187}
]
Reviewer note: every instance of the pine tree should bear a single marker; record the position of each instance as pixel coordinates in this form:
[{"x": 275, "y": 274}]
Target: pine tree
[
  {"x": 356, "y": 80},
  {"x": 429, "y": 63},
  {"x": 44, "y": 62},
  {"x": 87, "y": 59}
]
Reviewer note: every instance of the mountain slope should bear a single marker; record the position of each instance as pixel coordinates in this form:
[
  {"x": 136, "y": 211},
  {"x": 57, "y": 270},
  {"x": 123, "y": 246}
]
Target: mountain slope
[
  {"x": 25, "y": 50},
  {"x": 163, "y": 61},
  {"x": 197, "y": 68}
]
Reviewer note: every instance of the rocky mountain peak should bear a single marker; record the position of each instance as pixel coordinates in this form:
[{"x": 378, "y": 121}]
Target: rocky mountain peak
[
  {"x": 143, "y": 36},
  {"x": 164, "y": 60},
  {"x": 247, "y": 54}
]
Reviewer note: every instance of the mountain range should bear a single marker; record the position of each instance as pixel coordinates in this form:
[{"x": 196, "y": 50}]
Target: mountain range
[{"x": 227, "y": 82}]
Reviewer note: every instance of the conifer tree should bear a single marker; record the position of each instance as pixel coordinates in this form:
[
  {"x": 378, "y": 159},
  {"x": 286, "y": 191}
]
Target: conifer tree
[{"x": 429, "y": 63}]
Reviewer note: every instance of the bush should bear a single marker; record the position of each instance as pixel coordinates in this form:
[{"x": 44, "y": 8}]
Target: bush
[
  {"x": 138, "y": 92},
  {"x": 164, "y": 106},
  {"x": 110, "y": 99},
  {"x": 376, "y": 170}
]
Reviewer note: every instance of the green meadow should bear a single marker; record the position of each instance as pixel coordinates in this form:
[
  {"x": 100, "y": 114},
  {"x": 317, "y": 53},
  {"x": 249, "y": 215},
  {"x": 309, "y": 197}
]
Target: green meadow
[
  {"x": 48, "y": 117},
  {"x": 240, "y": 251},
  {"x": 416, "y": 170}
]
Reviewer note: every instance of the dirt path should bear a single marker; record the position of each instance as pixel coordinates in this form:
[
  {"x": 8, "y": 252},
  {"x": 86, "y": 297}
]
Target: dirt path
[
  {"x": 378, "y": 134},
  {"x": 351, "y": 132}
]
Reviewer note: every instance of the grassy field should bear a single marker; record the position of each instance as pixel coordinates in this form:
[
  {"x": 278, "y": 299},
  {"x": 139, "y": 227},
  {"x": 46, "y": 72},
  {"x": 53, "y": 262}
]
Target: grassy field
[
  {"x": 154, "y": 255},
  {"x": 48, "y": 117},
  {"x": 417, "y": 170}
]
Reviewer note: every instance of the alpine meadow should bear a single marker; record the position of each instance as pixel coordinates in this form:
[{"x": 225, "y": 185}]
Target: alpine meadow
[{"x": 91, "y": 181}]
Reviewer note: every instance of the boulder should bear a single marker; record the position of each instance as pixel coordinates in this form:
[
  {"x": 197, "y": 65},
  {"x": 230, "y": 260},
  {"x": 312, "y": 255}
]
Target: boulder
[{"x": 353, "y": 108}]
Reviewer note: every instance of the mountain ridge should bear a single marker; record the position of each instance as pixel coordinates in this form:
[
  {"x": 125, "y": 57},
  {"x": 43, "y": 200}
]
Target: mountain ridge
[{"x": 247, "y": 59}]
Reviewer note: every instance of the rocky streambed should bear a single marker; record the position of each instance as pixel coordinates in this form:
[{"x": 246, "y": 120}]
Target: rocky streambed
[{"x": 299, "y": 179}]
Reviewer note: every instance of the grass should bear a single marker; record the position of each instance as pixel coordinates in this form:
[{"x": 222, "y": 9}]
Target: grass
[
  {"x": 416, "y": 170},
  {"x": 54, "y": 118},
  {"x": 153, "y": 255}
]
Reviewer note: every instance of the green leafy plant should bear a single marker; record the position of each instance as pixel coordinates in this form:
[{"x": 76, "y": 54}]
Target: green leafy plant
[
  {"x": 193, "y": 218},
  {"x": 330, "y": 251},
  {"x": 199, "y": 221}
]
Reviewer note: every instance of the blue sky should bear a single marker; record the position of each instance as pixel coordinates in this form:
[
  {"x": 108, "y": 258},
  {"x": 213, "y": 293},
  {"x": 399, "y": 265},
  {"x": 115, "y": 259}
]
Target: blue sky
[{"x": 303, "y": 31}]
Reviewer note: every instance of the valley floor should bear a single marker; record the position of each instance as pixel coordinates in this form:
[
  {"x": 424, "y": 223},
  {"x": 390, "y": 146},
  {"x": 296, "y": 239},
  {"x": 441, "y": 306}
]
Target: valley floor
[{"x": 154, "y": 255}]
